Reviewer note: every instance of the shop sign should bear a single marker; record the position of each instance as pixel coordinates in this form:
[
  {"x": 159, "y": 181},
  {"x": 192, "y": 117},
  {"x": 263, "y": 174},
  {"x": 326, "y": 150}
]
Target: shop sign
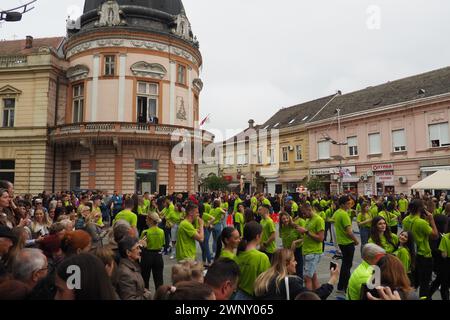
[
  {"x": 387, "y": 180},
  {"x": 383, "y": 167},
  {"x": 327, "y": 171}
]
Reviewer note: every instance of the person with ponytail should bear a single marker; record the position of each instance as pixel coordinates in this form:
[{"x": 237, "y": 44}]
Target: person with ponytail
[
  {"x": 228, "y": 243},
  {"x": 251, "y": 261}
]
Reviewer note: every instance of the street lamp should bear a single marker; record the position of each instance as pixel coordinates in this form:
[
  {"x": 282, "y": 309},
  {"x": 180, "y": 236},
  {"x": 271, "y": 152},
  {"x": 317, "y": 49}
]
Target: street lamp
[{"x": 15, "y": 14}]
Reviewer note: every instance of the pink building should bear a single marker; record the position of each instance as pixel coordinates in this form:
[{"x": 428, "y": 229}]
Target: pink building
[{"x": 390, "y": 137}]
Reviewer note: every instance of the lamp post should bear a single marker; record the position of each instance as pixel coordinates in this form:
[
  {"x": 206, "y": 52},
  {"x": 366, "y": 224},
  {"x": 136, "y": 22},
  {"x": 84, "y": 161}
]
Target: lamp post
[
  {"x": 339, "y": 157},
  {"x": 15, "y": 14}
]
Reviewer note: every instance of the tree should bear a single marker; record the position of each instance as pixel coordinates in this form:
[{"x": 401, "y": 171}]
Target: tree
[
  {"x": 215, "y": 183},
  {"x": 315, "y": 184}
]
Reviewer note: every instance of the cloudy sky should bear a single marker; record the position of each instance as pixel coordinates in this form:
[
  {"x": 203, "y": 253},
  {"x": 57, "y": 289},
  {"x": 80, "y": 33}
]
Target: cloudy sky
[{"x": 263, "y": 55}]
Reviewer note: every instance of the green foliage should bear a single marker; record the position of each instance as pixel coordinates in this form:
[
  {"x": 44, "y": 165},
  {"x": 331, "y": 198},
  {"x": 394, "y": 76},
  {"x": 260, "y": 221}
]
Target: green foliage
[
  {"x": 215, "y": 183},
  {"x": 315, "y": 184}
]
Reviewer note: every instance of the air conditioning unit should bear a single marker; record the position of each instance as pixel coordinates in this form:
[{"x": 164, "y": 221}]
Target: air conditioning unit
[
  {"x": 291, "y": 148},
  {"x": 403, "y": 180}
]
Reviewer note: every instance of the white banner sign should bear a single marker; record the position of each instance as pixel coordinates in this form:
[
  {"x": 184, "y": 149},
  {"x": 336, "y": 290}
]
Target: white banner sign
[{"x": 326, "y": 171}]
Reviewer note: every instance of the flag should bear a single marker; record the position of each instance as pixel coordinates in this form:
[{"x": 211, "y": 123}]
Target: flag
[{"x": 206, "y": 120}]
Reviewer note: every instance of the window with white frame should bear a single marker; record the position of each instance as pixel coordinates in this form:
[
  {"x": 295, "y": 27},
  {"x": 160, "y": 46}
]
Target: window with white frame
[
  {"x": 147, "y": 101},
  {"x": 78, "y": 103},
  {"x": 298, "y": 153},
  {"x": 272, "y": 155},
  {"x": 229, "y": 159},
  {"x": 260, "y": 156},
  {"x": 374, "y": 143},
  {"x": 9, "y": 106},
  {"x": 439, "y": 136},
  {"x": 398, "y": 140},
  {"x": 241, "y": 159},
  {"x": 323, "y": 148},
  {"x": 110, "y": 65},
  {"x": 285, "y": 154},
  {"x": 352, "y": 143}
]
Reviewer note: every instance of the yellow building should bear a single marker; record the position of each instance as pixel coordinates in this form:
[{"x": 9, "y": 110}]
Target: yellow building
[{"x": 31, "y": 71}]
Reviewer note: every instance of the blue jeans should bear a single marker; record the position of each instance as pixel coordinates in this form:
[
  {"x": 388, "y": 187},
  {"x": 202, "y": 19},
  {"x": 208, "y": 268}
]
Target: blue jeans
[
  {"x": 216, "y": 234},
  {"x": 365, "y": 234},
  {"x": 206, "y": 253}
]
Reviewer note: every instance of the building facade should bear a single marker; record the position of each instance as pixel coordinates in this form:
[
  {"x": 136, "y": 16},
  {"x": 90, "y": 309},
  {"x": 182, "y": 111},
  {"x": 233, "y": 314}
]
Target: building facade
[{"x": 131, "y": 84}]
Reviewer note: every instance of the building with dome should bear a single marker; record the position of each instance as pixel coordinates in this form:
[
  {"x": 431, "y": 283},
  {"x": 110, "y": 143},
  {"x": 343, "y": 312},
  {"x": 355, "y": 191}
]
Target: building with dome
[{"x": 113, "y": 94}]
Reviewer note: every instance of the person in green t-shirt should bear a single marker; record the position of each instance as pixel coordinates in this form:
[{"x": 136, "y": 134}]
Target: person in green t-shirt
[
  {"x": 127, "y": 214},
  {"x": 152, "y": 260},
  {"x": 406, "y": 251},
  {"x": 268, "y": 244},
  {"x": 187, "y": 234},
  {"x": 142, "y": 214},
  {"x": 345, "y": 239},
  {"x": 372, "y": 253},
  {"x": 312, "y": 245},
  {"x": 238, "y": 219},
  {"x": 381, "y": 235},
  {"x": 254, "y": 203},
  {"x": 402, "y": 206},
  {"x": 173, "y": 219},
  {"x": 219, "y": 214},
  {"x": 329, "y": 220},
  {"x": 251, "y": 262},
  {"x": 364, "y": 220},
  {"x": 423, "y": 231},
  {"x": 444, "y": 248},
  {"x": 228, "y": 243}
]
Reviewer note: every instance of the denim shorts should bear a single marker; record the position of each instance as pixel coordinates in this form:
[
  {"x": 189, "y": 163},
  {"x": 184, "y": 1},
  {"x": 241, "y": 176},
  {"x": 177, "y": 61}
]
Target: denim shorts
[
  {"x": 174, "y": 232},
  {"x": 310, "y": 263}
]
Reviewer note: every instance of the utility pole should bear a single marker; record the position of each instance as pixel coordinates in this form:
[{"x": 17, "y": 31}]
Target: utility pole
[{"x": 341, "y": 182}]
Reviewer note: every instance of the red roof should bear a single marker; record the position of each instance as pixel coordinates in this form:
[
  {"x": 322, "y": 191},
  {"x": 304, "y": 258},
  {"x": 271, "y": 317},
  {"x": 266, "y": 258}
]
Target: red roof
[{"x": 17, "y": 47}]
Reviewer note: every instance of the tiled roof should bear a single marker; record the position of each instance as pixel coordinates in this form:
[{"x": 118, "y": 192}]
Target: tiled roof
[
  {"x": 17, "y": 47},
  {"x": 424, "y": 85}
]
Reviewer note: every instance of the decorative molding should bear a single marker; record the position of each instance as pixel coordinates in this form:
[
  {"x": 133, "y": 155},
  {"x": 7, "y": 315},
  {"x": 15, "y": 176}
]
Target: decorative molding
[
  {"x": 152, "y": 70},
  {"x": 110, "y": 15},
  {"x": 198, "y": 84},
  {"x": 44, "y": 50},
  {"x": 181, "y": 113},
  {"x": 77, "y": 72},
  {"x": 132, "y": 43},
  {"x": 9, "y": 91},
  {"x": 436, "y": 117}
]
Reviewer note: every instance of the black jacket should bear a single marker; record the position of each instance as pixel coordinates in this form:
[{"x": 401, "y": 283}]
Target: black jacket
[{"x": 295, "y": 288}]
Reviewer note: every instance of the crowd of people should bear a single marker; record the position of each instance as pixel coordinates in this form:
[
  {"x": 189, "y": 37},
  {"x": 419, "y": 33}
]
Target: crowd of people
[{"x": 117, "y": 243}]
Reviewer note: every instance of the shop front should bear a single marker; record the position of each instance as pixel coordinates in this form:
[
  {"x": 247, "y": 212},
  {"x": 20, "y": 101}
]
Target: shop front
[
  {"x": 330, "y": 178},
  {"x": 384, "y": 178}
]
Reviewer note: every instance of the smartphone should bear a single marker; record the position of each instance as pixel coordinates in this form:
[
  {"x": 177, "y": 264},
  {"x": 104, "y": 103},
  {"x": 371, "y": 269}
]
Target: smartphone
[{"x": 333, "y": 265}]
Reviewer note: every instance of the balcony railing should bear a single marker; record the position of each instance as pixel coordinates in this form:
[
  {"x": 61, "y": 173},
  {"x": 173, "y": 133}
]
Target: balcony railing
[{"x": 115, "y": 128}]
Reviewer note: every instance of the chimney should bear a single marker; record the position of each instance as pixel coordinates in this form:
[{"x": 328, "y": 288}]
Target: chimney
[
  {"x": 29, "y": 42},
  {"x": 251, "y": 123}
]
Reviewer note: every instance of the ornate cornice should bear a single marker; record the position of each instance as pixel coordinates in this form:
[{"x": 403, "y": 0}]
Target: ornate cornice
[
  {"x": 131, "y": 43},
  {"x": 152, "y": 70},
  {"x": 77, "y": 72}
]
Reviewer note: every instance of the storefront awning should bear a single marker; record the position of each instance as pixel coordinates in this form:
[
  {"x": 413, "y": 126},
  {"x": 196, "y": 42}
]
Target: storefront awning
[{"x": 437, "y": 181}]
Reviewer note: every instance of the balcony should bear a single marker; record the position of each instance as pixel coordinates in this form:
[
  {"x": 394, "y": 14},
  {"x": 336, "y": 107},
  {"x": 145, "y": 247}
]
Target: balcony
[{"x": 126, "y": 132}]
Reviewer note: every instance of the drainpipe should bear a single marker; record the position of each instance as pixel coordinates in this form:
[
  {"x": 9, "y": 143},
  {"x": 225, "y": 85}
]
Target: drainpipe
[{"x": 54, "y": 143}]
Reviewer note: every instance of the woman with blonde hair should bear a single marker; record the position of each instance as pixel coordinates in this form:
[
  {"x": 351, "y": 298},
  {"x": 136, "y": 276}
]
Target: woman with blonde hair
[
  {"x": 40, "y": 225},
  {"x": 280, "y": 282}
]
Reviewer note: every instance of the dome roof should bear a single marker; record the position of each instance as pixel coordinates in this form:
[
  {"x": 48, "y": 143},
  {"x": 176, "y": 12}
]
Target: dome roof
[{"x": 173, "y": 7}]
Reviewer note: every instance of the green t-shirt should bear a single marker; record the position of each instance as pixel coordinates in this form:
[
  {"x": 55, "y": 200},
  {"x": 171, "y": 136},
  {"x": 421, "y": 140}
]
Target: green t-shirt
[
  {"x": 373, "y": 210},
  {"x": 236, "y": 203},
  {"x": 407, "y": 223},
  {"x": 168, "y": 211},
  {"x": 363, "y": 217},
  {"x": 174, "y": 217},
  {"x": 405, "y": 257},
  {"x": 294, "y": 208},
  {"x": 302, "y": 223},
  {"x": 288, "y": 235},
  {"x": 329, "y": 215},
  {"x": 206, "y": 208},
  {"x": 268, "y": 228},
  {"x": 389, "y": 247},
  {"x": 185, "y": 246},
  {"x": 207, "y": 218},
  {"x": 358, "y": 278},
  {"x": 228, "y": 255},
  {"x": 224, "y": 206},
  {"x": 217, "y": 214},
  {"x": 402, "y": 205},
  {"x": 421, "y": 231},
  {"x": 146, "y": 204},
  {"x": 127, "y": 215},
  {"x": 266, "y": 202},
  {"x": 341, "y": 222},
  {"x": 444, "y": 246},
  {"x": 251, "y": 264},
  {"x": 254, "y": 204},
  {"x": 155, "y": 238},
  {"x": 324, "y": 204},
  {"x": 310, "y": 246},
  {"x": 142, "y": 210},
  {"x": 239, "y": 218}
]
